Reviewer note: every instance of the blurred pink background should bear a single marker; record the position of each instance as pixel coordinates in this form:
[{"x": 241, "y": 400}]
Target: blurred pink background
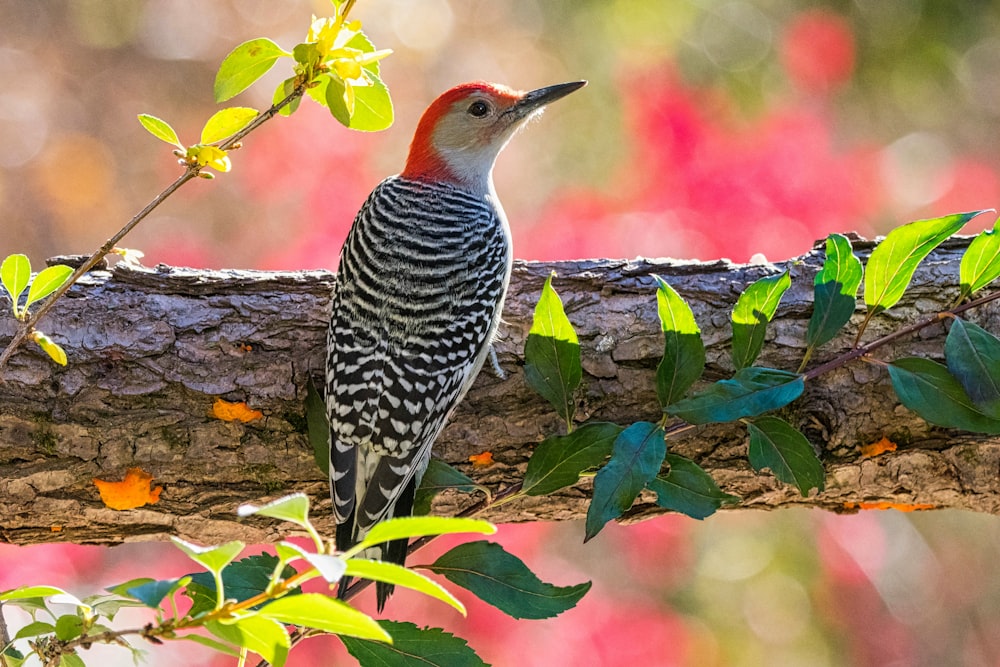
[{"x": 708, "y": 130}]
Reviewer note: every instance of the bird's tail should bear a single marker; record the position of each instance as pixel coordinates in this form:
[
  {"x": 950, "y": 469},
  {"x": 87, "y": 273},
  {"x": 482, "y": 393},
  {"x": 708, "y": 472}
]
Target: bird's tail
[{"x": 392, "y": 552}]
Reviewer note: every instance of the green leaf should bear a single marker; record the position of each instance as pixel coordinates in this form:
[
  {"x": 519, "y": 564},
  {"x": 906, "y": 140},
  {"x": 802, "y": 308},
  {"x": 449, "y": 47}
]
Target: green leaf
[
  {"x": 12, "y": 656},
  {"x": 71, "y": 660},
  {"x": 418, "y": 526},
  {"x": 390, "y": 573},
  {"x": 894, "y": 260},
  {"x": 319, "y": 427},
  {"x": 753, "y": 310},
  {"x": 775, "y": 444},
  {"x": 981, "y": 262},
  {"x": 48, "y": 281},
  {"x": 68, "y": 626},
  {"x": 504, "y": 581},
  {"x": 241, "y": 580},
  {"x": 927, "y": 388},
  {"x": 225, "y": 123},
  {"x": 212, "y": 558},
  {"x": 438, "y": 477},
  {"x": 329, "y": 567},
  {"x": 264, "y": 636},
  {"x": 313, "y": 610},
  {"x": 636, "y": 458},
  {"x": 306, "y": 53},
  {"x": 333, "y": 98},
  {"x": 25, "y": 592},
  {"x": 361, "y": 42},
  {"x": 34, "y": 629},
  {"x": 160, "y": 129},
  {"x": 245, "y": 64},
  {"x": 124, "y": 588},
  {"x": 973, "y": 358},
  {"x": 372, "y": 106},
  {"x": 15, "y": 272},
  {"x": 413, "y": 647},
  {"x": 293, "y": 508},
  {"x": 552, "y": 354},
  {"x": 752, "y": 391},
  {"x": 688, "y": 489},
  {"x": 152, "y": 593},
  {"x": 283, "y": 90},
  {"x": 558, "y": 460},
  {"x": 835, "y": 291},
  {"x": 109, "y": 605},
  {"x": 683, "y": 351}
]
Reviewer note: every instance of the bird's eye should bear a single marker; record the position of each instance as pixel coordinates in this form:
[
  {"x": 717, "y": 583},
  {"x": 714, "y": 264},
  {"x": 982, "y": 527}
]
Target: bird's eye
[{"x": 479, "y": 109}]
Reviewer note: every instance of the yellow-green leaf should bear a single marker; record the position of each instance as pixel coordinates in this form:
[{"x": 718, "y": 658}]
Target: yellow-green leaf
[
  {"x": 15, "y": 272},
  {"x": 245, "y": 64},
  {"x": 893, "y": 262},
  {"x": 160, "y": 129},
  {"x": 552, "y": 354},
  {"x": 50, "y": 347},
  {"x": 48, "y": 281},
  {"x": 225, "y": 123},
  {"x": 981, "y": 262}
]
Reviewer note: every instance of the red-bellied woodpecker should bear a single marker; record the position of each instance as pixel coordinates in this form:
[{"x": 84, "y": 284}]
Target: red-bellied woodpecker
[{"x": 420, "y": 288}]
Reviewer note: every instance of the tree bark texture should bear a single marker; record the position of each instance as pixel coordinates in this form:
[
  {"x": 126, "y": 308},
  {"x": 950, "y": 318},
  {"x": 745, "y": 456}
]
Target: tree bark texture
[{"x": 151, "y": 350}]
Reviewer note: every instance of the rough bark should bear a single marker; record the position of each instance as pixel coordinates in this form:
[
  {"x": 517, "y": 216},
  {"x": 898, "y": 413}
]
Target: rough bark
[{"x": 151, "y": 350}]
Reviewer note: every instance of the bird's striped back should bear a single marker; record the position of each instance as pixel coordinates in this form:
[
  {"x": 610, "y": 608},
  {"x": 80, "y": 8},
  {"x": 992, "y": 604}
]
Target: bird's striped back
[{"x": 419, "y": 291}]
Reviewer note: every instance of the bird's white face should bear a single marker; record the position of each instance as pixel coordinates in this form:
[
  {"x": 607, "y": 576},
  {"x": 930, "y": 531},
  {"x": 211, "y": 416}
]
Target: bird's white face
[{"x": 473, "y": 131}]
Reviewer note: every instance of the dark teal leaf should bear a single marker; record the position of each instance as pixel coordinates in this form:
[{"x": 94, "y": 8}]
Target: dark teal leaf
[
  {"x": 413, "y": 647},
  {"x": 552, "y": 354},
  {"x": 775, "y": 444},
  {"x": 835, "y": 291},
  {"x": 636, "y": 458},
  {"x": 558, "y": 460},
  {"x": 752, "y": 391},
  {"x": 688, "y": 489},
  {"x": 981, "y": 262},
  {"x": 438, "y": 477},
  {"x": 973, "y": 358},
  {"x": 241, "y": 580},
  {"x": 683, "y": 351},
  {"x": 318, "y": 427},
  {"x": 504, "y": 581},
  {"x": 927, "y": 388},
  {"x": 753, "y": 310},
  {"x": 151, "y": 593},
  {"x": 894, "y": 260}
]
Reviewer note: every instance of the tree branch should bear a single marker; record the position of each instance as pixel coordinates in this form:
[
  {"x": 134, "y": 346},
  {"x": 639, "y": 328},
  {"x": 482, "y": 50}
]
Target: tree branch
[{"x": 151, "y": 350}]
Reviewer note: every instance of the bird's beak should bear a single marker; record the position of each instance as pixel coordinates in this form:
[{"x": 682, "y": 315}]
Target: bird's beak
[{"x": 536, "y": 99}]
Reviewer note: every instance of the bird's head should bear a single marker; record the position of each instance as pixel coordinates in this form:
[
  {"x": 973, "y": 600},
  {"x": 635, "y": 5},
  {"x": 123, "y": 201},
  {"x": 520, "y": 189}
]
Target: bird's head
[{"x": 462, "y": 131}]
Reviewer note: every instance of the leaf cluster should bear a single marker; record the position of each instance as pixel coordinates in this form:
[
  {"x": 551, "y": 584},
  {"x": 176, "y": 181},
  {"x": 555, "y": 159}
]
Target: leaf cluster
[
  {"x": 247, "y": 605},
  {"x": 625, "y": 460}
]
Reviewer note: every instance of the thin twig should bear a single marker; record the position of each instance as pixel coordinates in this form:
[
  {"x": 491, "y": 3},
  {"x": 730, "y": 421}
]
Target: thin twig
[
  {"x": 190, "y": 172},
  {"x": 863, "y": 350}
]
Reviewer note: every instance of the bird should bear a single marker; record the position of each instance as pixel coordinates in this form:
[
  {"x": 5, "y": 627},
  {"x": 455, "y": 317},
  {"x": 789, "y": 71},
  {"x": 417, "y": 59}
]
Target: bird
[{"x": 417, "y": 300}]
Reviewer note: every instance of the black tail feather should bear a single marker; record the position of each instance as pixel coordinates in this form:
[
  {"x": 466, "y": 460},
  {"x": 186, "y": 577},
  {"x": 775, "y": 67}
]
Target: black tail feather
[{"x": 393, "y": 552}]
